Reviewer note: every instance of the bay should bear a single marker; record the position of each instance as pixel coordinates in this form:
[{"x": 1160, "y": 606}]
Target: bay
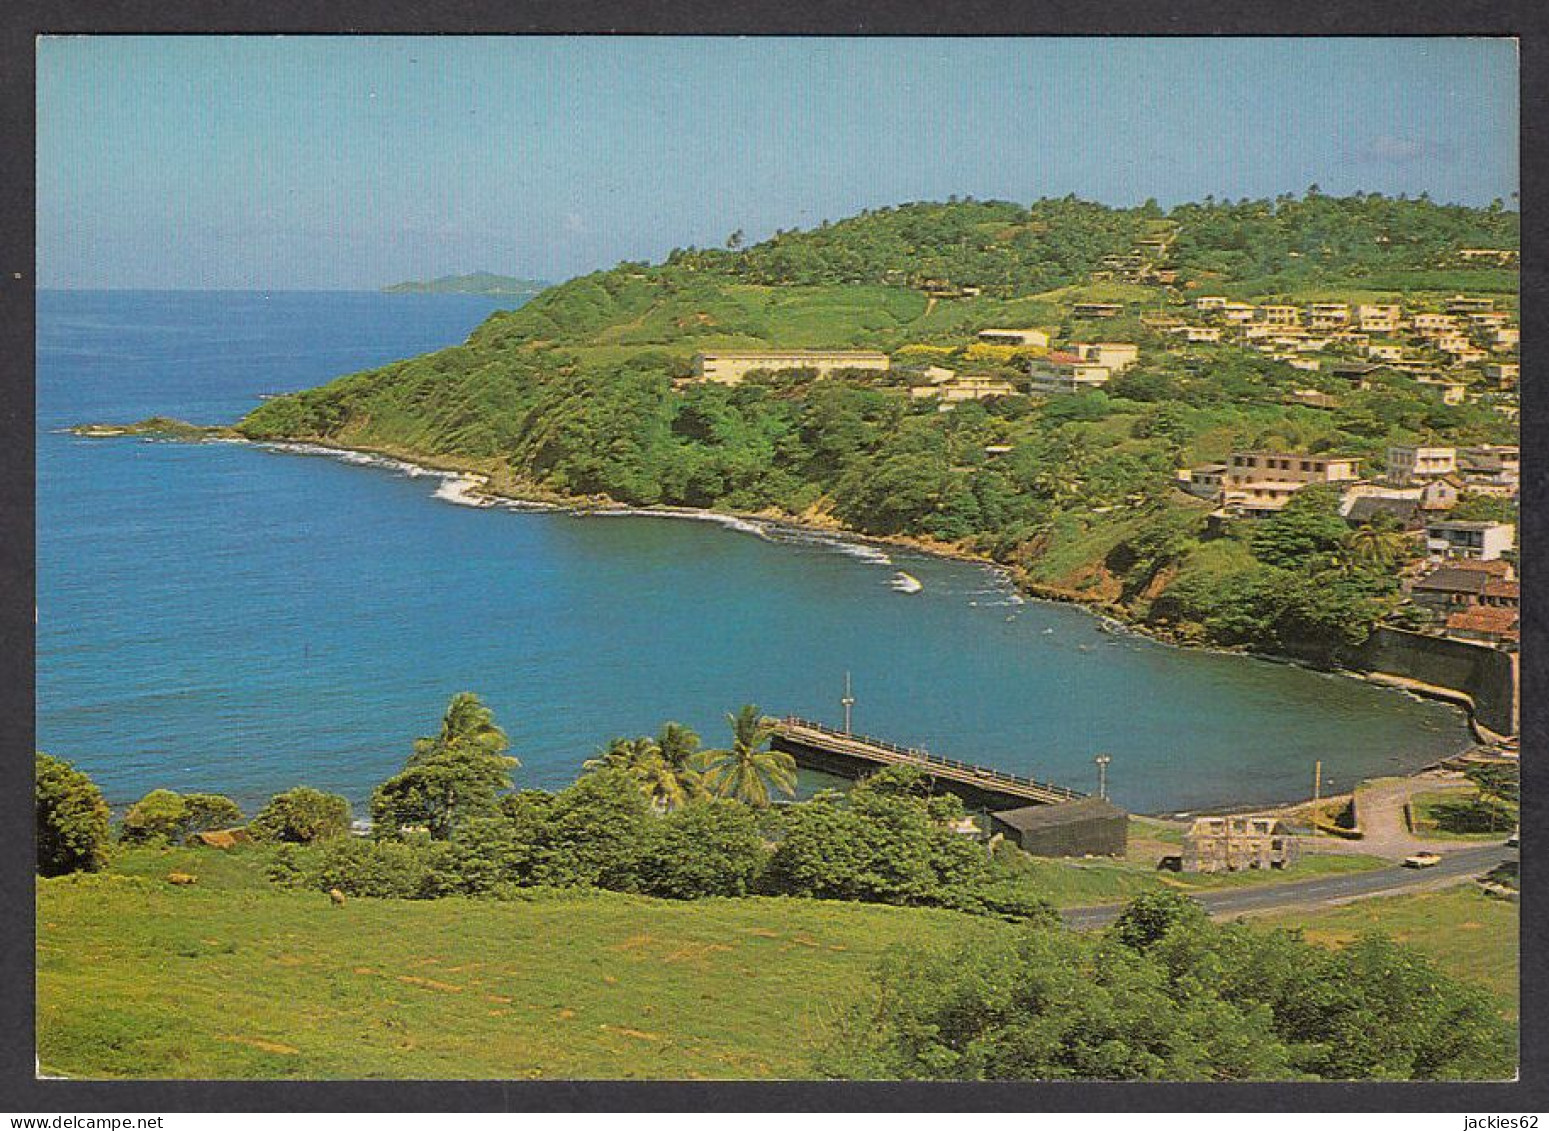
[{"x": 241, "y": 619}]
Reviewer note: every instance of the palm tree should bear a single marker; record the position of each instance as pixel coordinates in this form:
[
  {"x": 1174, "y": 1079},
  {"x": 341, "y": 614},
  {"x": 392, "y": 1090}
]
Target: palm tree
[
  {"x": 1367, "y": 545},
  {"x": 659, "y": 765},
  {"x": 747, "y": 771},
  {"x": 467, "y": 725},
  {"x": 679, "y": 746}
]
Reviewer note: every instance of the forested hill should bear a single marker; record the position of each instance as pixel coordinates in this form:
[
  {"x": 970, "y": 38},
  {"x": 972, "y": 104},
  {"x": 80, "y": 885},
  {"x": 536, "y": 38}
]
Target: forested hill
[{"x": 580, "y": 392}]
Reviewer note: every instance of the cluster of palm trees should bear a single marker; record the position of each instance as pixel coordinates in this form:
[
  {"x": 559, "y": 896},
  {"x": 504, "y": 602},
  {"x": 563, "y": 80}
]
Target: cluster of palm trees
[{"x": 672, "y": 770}]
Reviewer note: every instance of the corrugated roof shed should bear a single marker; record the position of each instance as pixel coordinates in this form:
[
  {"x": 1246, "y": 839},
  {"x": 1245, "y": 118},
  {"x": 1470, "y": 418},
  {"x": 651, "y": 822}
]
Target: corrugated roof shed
[{"x": 1049, "y": 816}]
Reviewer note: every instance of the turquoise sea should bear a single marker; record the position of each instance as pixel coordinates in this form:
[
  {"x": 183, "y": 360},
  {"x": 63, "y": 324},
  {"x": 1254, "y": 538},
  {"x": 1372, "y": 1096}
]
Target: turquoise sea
[{"x": 235, "y": 618}]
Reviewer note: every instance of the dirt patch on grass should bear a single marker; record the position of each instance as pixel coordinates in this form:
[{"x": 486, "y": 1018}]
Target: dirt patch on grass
[
  {"x": 637, "y": 1034},
  {"x": 763, "y": 932},
  {"x": 266, "y": 1046},
  {"x": 430, "y": 984},
  {"x": 694, "y": 952},
  {"x": 633, "y": 942}
]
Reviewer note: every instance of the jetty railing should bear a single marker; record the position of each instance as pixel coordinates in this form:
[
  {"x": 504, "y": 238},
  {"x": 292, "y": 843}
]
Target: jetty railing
[{"x": 985, "y": 774}]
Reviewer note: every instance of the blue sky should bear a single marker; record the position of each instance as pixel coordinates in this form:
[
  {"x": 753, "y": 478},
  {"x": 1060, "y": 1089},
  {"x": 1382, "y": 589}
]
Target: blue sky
[{"x": 273, "y": 162}]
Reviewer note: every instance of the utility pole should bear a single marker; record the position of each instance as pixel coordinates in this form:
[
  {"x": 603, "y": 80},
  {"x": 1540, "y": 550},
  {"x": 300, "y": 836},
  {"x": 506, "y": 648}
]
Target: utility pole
[
  {"x": 1102, "y": 761},
  {"x": 1317, "y": 792},
  {"x": 847, "y": 702}
]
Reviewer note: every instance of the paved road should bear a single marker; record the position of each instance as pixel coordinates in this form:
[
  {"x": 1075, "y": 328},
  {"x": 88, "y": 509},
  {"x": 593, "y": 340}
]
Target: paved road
[{"x": 1455, "y": 868}]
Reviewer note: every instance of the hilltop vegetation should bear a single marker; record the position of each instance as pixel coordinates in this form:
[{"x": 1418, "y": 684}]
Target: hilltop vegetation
[{"x": 573, "y": 394}]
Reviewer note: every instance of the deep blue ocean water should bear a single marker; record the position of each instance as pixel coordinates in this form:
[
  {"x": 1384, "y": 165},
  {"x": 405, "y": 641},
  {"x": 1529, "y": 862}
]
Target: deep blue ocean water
[{"x": 233, "y": 618}]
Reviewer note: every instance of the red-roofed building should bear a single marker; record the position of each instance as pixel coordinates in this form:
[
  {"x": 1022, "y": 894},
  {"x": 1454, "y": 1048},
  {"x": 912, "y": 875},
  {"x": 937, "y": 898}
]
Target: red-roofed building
[{"x": 1485, "y": 625}]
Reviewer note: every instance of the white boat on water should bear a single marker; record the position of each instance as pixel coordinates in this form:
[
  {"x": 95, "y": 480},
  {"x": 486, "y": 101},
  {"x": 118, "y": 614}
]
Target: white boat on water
[{"x": 906, "y": 582}]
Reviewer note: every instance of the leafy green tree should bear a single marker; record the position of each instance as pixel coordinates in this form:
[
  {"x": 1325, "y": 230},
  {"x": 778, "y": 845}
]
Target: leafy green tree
[
  {"x": 747, "y": 771},
  {"x": 1148, "y": 918},
  {"x": 206, "y": 811},
  {"x": 71, "y": 818},
  {"x": 158, "y": 817},
  {"x": 710, "y": 847},
  {"x": 591, "y": 832},
  {"x": 1304, "y": 533},
  {"x": 302, "y": 816}
]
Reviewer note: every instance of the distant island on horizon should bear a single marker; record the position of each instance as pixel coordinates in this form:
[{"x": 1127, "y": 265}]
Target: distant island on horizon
[{"x": 476, "y": 283}]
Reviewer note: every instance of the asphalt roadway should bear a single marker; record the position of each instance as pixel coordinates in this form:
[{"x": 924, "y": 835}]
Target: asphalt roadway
[{"x": 1326, "y": 891}]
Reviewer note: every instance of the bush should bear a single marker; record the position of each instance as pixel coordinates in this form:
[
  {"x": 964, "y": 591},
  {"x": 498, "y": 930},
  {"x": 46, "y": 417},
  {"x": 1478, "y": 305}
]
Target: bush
[
  {"x": 71, "y": 819},
  {"x": 591, "y": 832},
  {"x": 157, "y": 818},
  {"x": 301, "y": 816},
  {"x": 206, "y": 811},
  {"x": 1169, "y": 995},
  {"x": 381, "y": 869},
  {"x": 1147, "y": 919},
  {"x": 706, "y": 848}
]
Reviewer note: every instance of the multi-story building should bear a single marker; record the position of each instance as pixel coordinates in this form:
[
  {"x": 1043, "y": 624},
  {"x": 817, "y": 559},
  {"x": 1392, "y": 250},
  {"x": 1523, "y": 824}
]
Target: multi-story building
[
  {"x": 1468, "y": 304},
  {"x": 1237, "y": 311},
  {"x": 1378, "y": 318},
  {"x": 1260, "y": 483},
  {"x": 968, "y": 387},
  {"x": 1385, "y": 351},
  {"x": 1409, "y": 462},
  {"x": 729, "y": 367},
  {"x": 1280, "y": 315},
  {"x": 1429, "y": 325},
  {"x": 1328, "y": 315},
  {"x": 1210, "y": 302},
  {"x": 1457, "y": 538},
  {"x": 1506, "y": 337},
  {"x": 1062, "y": 372}
]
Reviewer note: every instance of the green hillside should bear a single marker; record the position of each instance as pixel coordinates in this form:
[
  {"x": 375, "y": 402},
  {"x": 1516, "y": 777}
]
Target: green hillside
[
  {"x": 574, "y": 394},
  {"x": 235, "y": 978}
]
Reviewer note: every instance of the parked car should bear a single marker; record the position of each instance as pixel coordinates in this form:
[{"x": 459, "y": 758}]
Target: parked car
[
  {"x": 1422, "y": 860},
  {"x": 1514, "y": 839}
]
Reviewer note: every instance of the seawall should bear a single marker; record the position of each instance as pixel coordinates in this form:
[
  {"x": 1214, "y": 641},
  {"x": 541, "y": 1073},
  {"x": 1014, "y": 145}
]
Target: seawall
[{"x": 1482, "y": 677}]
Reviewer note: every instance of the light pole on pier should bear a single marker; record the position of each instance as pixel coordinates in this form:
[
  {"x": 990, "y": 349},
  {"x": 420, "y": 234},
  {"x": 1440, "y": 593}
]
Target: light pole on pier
[
  {"x": 847, "y": 702},
  {"x": 1102, "y": 761}
]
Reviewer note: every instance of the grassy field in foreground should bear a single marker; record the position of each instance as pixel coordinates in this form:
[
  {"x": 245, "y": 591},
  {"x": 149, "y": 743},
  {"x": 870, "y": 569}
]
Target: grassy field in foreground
[
  {"x": 1473, "y": 936},
  {"x": 231, "y": 978}
]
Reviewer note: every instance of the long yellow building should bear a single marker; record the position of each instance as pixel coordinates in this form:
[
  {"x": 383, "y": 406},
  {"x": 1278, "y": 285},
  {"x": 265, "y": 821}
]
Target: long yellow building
[{"x": 730, "y": 366}]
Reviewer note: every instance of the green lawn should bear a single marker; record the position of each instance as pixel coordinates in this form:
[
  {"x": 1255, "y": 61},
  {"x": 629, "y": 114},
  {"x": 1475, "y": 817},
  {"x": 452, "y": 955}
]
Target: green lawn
[
  {"x": 1423, "y": 807},
  {"x": 1474, "y": 936},
  {"x": 232, "y": 978}
]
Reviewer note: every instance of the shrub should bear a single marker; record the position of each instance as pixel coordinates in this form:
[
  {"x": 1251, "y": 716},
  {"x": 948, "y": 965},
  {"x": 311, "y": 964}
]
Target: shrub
[
  {"x": 1148, "y": 918},
  {"x": 71, "y": 818},
  {"x": 301, "y": 816},
  {"x": 1169, "y": 995},
  {"x": 382, "y": 869},
  {"x": 709, "y": 847},
  {"x": 158, "y": 817},
  {"x": 590, "y": 833},
  {"x": 206, "y": 811}
]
